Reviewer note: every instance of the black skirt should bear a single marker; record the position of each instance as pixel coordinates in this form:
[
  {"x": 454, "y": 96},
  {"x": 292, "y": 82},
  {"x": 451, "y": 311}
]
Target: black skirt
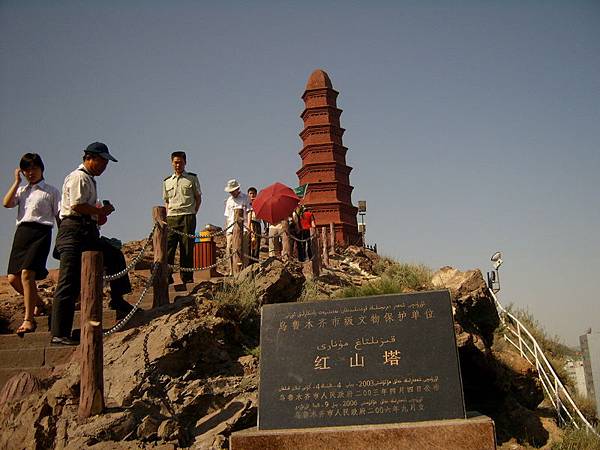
[{"x": 30, "y": 249}]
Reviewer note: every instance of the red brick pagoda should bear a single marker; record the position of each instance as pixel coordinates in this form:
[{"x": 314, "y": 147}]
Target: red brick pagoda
[{"x": 323, "y": 156}]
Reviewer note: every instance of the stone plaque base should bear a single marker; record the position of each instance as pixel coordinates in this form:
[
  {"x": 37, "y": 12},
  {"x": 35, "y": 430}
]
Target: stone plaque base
[{"x": 476, "y": 433}]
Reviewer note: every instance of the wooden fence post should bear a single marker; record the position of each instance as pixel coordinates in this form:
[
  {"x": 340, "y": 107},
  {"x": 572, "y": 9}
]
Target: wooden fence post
[
  {"x": 160, "y": 285},
  {"x": 285, "y": 241},
  {"x": 237, "y": 257},
  {"x": 324, "y": 246},
  {"x": 316, "y": 252},
  {"x": 332, "y": 238},
  {"x": 91, "y": 394}
]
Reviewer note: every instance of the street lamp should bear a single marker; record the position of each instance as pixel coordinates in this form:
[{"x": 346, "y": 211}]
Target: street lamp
[
  {"x": 494, "y": 276},
  {"x": 362, "y": 228}
]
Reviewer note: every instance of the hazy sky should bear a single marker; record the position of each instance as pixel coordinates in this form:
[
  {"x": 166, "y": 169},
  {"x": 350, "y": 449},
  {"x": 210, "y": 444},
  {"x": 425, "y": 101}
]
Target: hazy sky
[{"x": 471, "y": 126}]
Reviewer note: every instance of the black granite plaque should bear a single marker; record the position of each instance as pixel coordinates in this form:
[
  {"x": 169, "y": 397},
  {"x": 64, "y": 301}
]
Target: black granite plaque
[{"x": 368, "y": 360}]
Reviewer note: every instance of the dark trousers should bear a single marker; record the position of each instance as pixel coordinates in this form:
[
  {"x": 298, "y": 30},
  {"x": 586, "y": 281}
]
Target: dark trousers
[
  {"x": 73, "y": 239},
  {"x": 304, "y": 248},
  {"x": 186, "y": 224},
  {"x": 255, "y": 244}
]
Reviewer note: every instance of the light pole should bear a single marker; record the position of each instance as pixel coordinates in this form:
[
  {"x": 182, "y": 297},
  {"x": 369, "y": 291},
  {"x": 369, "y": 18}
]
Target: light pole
[
  {"x": 494, "y": 276},
  {"x": 362, "y": 211}
]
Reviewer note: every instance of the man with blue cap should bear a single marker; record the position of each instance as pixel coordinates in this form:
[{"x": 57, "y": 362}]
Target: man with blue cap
[{"x": 78, "y": 232}]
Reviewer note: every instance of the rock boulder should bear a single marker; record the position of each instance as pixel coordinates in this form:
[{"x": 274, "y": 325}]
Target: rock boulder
[
  {"x": 161, "y": 380},
  {"x": 19, "y": 386},
  {"x": 474, "y": 307},
  {"x": 275, "y": 281}
]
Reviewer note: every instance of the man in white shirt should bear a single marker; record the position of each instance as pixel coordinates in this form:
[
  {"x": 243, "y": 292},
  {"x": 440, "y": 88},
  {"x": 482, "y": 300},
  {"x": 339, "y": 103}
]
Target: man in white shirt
[
  {"x": 236, "y": 200},
  {"x": 78, "y": 232}
]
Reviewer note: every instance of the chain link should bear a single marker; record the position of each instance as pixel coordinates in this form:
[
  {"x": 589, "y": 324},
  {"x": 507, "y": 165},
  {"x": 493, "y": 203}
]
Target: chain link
[
  {"x": 252, "y": 258},
  {"x": 133, "y": 262},
  {"x": 176, "y": 268},
  {"x": 129, "y": 315},
  {"x": 301, "y": 240},
  {"x": 264, "y": 236},
  {"x": 194, "y": 236}
]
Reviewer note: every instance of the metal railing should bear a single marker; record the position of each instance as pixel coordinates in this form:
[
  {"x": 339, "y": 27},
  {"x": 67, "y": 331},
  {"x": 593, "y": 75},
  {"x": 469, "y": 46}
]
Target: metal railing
[{"x": 519, "y": 337}]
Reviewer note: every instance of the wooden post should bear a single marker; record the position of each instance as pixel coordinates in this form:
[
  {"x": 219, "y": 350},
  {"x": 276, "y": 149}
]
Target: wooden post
[
  {"x": 91, "y": 395},
  {"x": 237, "y": 257},
  {"x": 332, "y": 238},
  {"x": 285, "y": 240},
  {"x": 160, "y": 285},
  {"x": 316, "y": 252},
  {"x": 324, "y": 246}
]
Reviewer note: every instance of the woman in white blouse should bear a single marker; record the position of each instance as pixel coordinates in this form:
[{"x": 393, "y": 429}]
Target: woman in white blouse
[{"x": 38, "y": 208}]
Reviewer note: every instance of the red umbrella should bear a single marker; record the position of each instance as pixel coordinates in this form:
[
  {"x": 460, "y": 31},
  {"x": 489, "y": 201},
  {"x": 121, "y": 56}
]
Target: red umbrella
[{"x": 275, "y": 203}]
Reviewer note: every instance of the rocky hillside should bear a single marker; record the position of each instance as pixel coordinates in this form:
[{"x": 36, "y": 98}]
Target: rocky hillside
[{"x": 186, "y": 375}]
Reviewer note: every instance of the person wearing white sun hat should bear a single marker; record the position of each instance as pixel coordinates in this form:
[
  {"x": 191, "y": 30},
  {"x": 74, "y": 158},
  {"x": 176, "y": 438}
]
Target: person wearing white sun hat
[{"x": 236, "y": 200}]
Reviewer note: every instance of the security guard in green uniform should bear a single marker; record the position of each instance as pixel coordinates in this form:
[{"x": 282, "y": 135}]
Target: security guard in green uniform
[{"x": 182, "y": 196}]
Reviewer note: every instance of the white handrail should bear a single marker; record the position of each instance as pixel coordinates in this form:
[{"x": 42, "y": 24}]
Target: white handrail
[{"x": 552, "y": 384}]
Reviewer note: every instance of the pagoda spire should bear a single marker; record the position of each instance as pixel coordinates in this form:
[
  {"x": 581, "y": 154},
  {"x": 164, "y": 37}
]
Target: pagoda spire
[{"x": 324, "y": 166}]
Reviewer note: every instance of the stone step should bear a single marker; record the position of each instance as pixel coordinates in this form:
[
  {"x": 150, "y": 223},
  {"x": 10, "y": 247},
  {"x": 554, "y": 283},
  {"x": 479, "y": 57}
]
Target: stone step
[
  {"x": 173, "y": 292},
  {"x": 29, "y": 340},
  {"x": 49, "y": 356},
  {"x": 109, "y": 318},
  {"x": 33, "y": 352},
  {"x": 148, "y": 298}
]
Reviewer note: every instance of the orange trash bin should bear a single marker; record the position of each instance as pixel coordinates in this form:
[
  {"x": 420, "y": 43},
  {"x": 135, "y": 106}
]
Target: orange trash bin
[{"x": 205, "y": 254}]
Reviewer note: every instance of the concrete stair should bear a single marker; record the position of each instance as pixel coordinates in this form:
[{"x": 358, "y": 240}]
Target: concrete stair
[
  {"x": 35, "y": 354},
  {"x": 31, "y": 353},
  {"x": 109, "y": 318}
]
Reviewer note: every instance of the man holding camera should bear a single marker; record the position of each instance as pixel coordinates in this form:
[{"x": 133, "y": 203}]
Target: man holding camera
[{"x": 78, "y": 232}]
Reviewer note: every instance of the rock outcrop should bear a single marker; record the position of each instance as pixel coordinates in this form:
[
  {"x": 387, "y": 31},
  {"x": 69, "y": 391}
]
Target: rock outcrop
[
  {"x": 20, "y": 385},
  {"x": 188, "y": 376},
  {"x": 499, "y": 383},
  {"x": 474, "y": 308},
  {"x": 274, "y": 281},
  {"x": 182, "y": 379}
]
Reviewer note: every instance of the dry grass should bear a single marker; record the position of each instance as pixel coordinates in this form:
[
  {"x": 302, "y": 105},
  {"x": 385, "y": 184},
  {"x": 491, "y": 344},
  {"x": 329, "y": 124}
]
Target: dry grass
[
  {"x": 556, "y": 352},
  {"x": 311, "y": 291},
  {"x": 587, "y": 406},
  {"x": 394, "y": 278},
  {"x": 241, "y": 296},
  {"x": 254, "y": 351},
  {"x": 578, "y": 439}
]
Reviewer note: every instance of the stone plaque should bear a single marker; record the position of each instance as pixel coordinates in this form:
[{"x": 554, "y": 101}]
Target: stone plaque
[{"x": 368, "y": 360}]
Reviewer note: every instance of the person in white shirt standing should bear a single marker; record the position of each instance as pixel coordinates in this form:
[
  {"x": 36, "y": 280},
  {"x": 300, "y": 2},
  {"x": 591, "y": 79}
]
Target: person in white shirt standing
[
  {"x": 80, "y": 214},
  {"x": 236, "y": 200},
  {"x": 38, "y": 208}
]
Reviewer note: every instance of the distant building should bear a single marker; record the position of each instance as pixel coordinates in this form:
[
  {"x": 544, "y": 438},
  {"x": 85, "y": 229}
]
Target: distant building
[
  {"x": 590, "y": 349},
  {"x": 577, "y": 373}
]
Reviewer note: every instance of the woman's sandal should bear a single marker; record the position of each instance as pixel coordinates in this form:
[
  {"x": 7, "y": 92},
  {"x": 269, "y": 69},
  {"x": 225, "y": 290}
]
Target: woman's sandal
[{"x": 23, "y": 329}]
